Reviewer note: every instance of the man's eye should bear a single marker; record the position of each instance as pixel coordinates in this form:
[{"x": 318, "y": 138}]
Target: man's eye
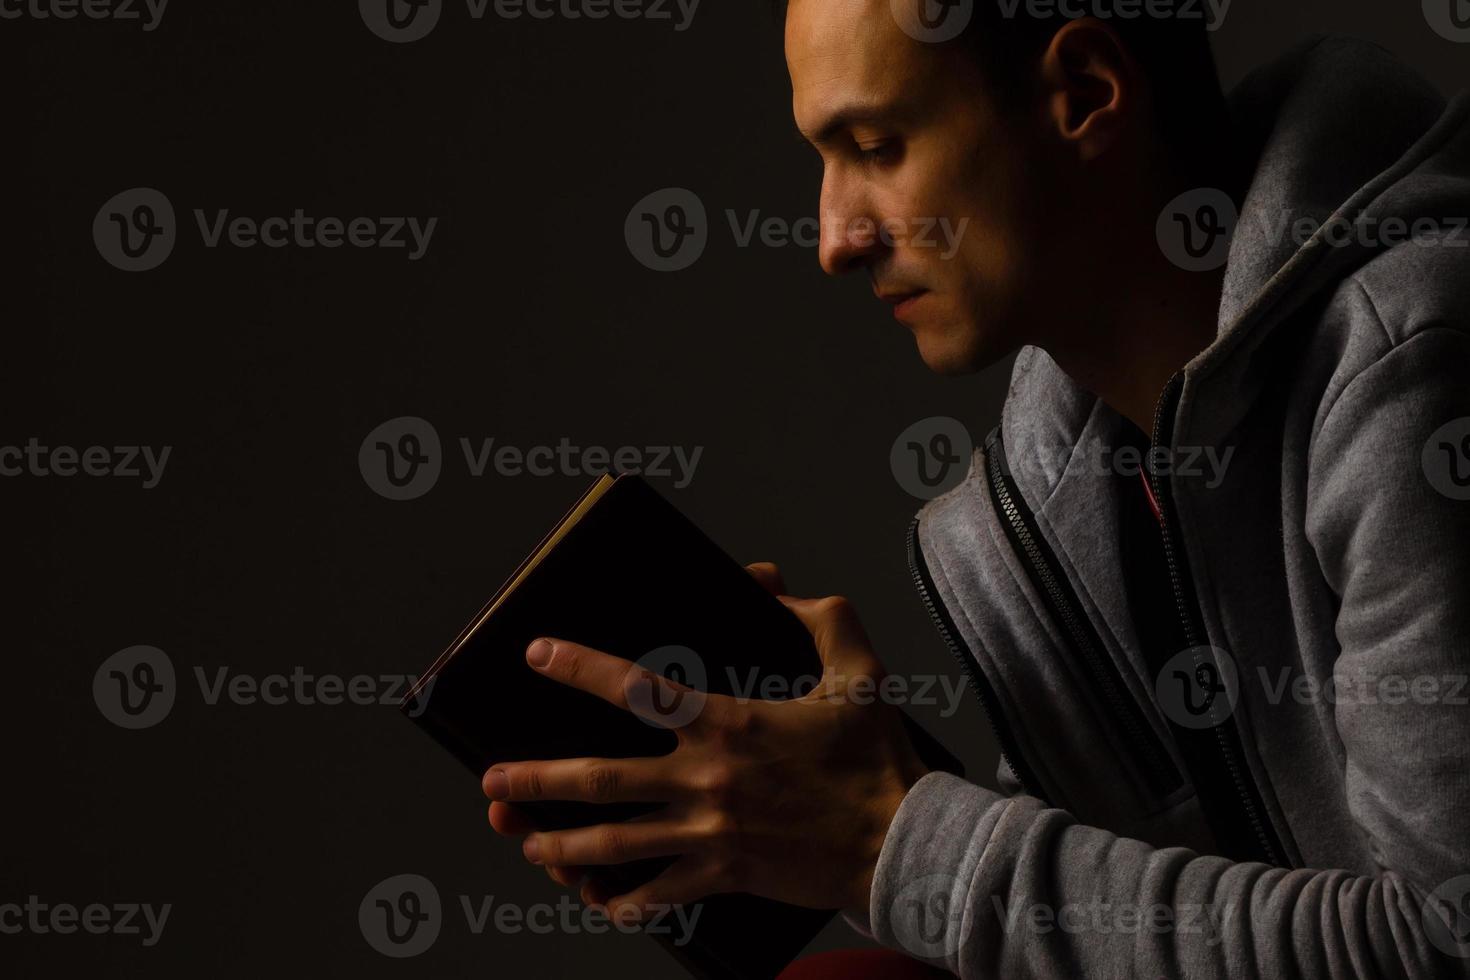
[{"x": 879, "y": 152}]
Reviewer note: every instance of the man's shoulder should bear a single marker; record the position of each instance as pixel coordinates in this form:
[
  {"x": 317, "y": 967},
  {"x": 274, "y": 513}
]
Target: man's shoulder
[
  {"x": 1416, "y": 285},
  {"x": 1419, "y": 229}
]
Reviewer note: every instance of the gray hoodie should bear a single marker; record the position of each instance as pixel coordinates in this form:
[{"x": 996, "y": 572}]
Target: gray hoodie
[{"x": 1290, "y": 796}]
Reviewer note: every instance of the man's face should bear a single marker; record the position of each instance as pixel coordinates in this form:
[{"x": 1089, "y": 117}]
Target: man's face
[{"x": 926, "y": 184}]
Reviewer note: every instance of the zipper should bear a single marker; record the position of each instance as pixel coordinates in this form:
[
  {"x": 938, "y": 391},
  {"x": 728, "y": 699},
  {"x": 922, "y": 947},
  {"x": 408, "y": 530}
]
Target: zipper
[
  {"x": 1227, "y": 741},
  {"x": 1079, "y": 635},
  {"x": 1010, "y": 751}
]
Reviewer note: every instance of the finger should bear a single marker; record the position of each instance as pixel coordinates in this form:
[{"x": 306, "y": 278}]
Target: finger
[
  {"x": 509, "y": 821},
  {"x": 568, "y": 876},
  {"x": 650, "y": 696},
  {"x": 595, "y": 893},
  {"x": 582, "y": 780},
  {"x": 685, "y": 881},
  {"x": 592, "y": 890},
  {"x": 592, "y": 896},
  {"x": 841, "y": 641},
  {"x": 666, "y": 703},
  {"x": 768, "y": 575},
  {"x": 583, "y": 668},
  {"x": 609, "y": 843}
]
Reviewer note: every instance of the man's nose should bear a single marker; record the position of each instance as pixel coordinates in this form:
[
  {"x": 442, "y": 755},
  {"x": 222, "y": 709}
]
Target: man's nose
[{"x": 849, "y": 234}]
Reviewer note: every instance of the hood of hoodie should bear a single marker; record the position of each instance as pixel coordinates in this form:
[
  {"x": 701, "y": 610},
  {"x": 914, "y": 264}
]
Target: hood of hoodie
[{"x": 1341, "y": 131}]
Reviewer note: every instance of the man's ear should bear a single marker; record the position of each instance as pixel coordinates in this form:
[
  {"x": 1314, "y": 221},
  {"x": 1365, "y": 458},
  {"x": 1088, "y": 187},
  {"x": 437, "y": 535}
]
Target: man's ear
[{"x": 1092, "y": 86}]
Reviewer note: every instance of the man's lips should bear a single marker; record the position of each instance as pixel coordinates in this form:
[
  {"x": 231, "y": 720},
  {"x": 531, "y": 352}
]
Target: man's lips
[{"x": 902, "y": 302}]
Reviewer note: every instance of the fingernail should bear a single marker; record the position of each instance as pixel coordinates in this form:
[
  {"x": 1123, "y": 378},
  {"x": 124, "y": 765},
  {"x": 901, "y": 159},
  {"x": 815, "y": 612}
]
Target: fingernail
[
  {"x": 497, "y": 784},
  {"x": 539, "y": 654},
  {"x": 532, "y": 850}
]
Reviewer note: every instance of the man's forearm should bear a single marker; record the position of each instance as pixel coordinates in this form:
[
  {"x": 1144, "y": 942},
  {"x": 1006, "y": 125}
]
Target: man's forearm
[{"x": 990, "y": 886}]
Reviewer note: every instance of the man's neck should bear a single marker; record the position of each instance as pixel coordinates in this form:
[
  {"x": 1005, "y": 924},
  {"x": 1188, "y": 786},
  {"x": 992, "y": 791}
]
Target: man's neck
[
  {"x": 1169, "y": 315},
  {"x": 1161, "y": 315}
]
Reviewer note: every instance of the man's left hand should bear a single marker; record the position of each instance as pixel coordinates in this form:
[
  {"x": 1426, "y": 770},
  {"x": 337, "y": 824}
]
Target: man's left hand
[{"x": 790, "y": 800}]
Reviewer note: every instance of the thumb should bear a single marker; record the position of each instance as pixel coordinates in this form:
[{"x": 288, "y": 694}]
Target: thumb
[
  {"x": 841, "y": 641},
  {"x": 768, "y": 575}
]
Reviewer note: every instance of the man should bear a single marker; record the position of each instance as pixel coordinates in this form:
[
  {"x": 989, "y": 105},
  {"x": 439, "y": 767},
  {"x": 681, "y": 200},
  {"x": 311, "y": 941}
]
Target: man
[{"x": 1231, "y": 698}]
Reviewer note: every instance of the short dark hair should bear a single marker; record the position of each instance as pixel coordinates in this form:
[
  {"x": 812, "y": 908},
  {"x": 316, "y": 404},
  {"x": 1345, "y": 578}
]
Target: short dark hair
[{"x": 1006, "y": 39}]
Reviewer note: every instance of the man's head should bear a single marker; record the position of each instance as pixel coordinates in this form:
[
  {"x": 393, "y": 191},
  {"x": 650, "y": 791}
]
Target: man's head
[{"x": 1045, "y": 145}]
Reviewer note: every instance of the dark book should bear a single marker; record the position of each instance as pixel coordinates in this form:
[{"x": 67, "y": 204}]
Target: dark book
[{"x": 626, "y": 573}]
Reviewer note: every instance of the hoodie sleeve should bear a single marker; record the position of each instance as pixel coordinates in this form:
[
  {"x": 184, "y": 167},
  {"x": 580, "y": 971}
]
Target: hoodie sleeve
[{"x": 994, "y": 886}]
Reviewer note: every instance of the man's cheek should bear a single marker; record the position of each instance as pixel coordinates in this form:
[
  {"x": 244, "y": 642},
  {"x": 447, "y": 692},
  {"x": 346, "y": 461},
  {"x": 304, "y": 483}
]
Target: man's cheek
[{"x": 953, "y": 235}]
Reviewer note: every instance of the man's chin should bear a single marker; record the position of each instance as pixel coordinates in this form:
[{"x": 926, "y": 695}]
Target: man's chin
[{"x": 949, "y": 351}]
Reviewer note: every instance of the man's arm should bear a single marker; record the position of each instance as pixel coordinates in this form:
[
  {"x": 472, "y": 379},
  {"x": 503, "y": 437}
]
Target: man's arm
[{"x": 1004, "y": 887}]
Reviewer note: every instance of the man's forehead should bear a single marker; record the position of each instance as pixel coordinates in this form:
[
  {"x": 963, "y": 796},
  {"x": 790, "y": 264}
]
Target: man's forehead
[
  {"x": 824, "y": 18},
  {"x": 846, "y": 54}
]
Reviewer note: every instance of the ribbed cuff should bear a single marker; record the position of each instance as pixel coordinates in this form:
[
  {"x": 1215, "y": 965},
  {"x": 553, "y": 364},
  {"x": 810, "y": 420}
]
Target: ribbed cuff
[{"x": 921, "y": 887}]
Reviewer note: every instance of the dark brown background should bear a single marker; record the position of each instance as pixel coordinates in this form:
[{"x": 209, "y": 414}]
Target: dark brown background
[{"x": 263, "y": 549}]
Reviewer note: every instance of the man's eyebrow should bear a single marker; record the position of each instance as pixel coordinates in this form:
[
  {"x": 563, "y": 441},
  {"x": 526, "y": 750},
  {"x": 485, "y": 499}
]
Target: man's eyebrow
[{"x": 846, "y": 118}]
